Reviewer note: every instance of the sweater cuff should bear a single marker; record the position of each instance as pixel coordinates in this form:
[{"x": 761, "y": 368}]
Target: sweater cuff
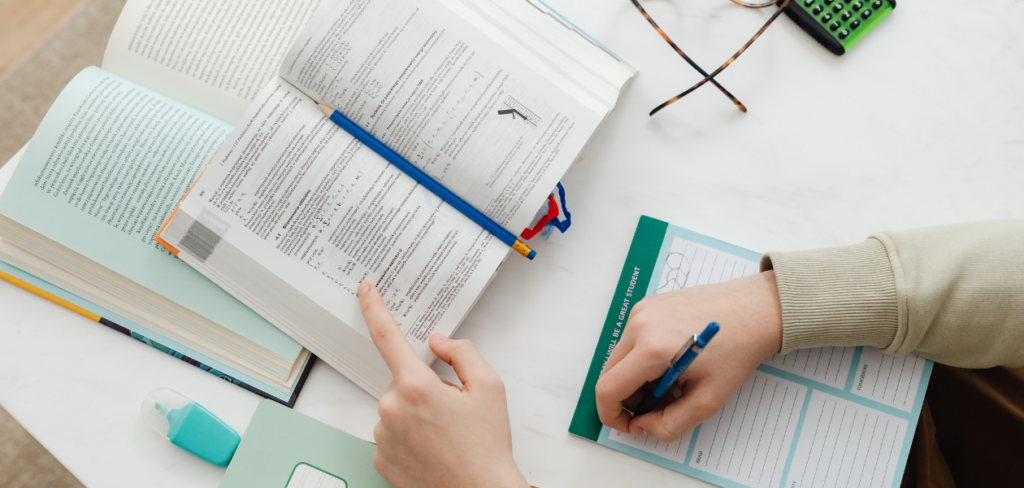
[{"x": 839, "y": 296}]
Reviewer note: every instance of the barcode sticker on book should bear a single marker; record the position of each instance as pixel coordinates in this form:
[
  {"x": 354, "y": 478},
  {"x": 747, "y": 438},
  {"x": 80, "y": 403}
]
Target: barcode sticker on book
[{"x": 203, "y": 235}]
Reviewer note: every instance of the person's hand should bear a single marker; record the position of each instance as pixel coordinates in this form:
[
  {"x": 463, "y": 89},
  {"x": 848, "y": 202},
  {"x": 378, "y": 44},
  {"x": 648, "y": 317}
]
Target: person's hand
[
  {"x": 431, "y": 432},
  {"x": 750, "y": 316}
]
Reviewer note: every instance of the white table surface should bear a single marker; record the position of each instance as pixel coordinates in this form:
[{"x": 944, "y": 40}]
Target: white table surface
[{"x": 922, "y": 123}]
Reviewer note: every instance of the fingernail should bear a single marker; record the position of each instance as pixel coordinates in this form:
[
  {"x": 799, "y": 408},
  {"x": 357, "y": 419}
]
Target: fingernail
[
  {"x": 363, "y": 288},
  {"x": 636, "y": 430}
]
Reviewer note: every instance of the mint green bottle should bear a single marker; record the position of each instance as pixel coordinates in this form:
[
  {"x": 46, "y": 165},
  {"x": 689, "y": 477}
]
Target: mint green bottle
[{"x": 190, "y": 426}]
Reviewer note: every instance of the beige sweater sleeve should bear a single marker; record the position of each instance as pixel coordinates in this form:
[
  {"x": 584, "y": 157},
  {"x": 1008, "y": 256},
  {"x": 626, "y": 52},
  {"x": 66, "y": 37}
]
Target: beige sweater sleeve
[{"x": 953, "y": 294}]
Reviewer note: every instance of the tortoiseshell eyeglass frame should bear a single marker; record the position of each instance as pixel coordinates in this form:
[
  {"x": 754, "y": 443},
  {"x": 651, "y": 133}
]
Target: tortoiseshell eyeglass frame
[{"x": 711, "y": 77}]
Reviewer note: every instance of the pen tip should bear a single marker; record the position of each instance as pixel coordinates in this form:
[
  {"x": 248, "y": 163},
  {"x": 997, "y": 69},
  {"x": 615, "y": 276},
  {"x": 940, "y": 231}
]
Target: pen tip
[{"x": 326, "y": 109}]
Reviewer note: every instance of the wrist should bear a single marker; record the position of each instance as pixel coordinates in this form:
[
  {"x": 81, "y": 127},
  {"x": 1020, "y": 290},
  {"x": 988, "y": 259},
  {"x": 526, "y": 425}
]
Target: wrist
[
  {"x": 770, "y": 307},
  {"x": 498, "y": 474}
]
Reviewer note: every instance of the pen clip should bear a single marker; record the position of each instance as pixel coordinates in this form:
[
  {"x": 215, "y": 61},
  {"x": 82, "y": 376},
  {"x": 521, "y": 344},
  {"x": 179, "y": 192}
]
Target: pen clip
[{"x": 682, "y": 350}]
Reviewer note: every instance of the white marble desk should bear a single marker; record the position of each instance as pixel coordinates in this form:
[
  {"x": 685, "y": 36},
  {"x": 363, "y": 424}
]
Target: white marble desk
[{"x": 922, "y": 123}]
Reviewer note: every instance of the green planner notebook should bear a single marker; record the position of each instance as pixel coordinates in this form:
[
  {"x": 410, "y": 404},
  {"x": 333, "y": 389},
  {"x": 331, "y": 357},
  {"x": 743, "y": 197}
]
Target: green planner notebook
[{"x": 283, "y": 448}]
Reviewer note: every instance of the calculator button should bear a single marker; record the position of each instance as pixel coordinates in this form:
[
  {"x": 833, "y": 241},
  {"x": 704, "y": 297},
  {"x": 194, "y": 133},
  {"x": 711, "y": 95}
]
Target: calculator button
[
  {"x": 877, "y": 4},
  {"x": 865, "y": 14},
  {"x": 817, "y": 10},
  {"x": 835, "y": 26},
  {"x": 808, "y": 3},
  {"x": 825, "y": 18},
  {"x": 857, "y": 6},
  {"x": 847, "y": 15},
  {"x": 837, "y": 7},
  {"x": 829, "y": 2},
  {"x": 855, "y": 24},
  {"x": 843, "y": 34}
]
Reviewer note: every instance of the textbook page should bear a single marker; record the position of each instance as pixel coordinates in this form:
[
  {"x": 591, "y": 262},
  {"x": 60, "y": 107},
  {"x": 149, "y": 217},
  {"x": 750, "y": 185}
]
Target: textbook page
[
  {"x": 311, "y": 212},
  {"x": 834, "y": 416},
  {"x": 107, "y": 164},
  {"x": 434, "y": 88},
  {"x": 212, "y": 56}
]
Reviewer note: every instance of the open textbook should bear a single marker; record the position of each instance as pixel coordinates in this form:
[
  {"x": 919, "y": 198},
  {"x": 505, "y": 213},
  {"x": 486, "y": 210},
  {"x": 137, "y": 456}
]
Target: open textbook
[
  {"x": 835, "y": 416},
  {"x": 494, "y": 99},
  {"x": 118, "y": 150}
]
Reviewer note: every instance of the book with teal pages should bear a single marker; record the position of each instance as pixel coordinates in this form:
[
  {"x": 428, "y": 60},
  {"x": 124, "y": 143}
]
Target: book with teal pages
[
  {"x": 14, "y": 261},
  {"x": 199, "y": 323},
  {"x": 118, "y": 148}
]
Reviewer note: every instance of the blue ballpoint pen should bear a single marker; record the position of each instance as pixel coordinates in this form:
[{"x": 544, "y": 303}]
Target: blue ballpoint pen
[
  {"x": 683, "y": 358},
  {"x": 424, "y": 179}
]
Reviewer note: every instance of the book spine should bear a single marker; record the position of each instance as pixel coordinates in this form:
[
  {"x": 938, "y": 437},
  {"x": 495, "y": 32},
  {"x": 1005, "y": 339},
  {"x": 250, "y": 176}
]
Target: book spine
[
  {"x": 633, "y": 282},
  {"x": 224, "y": 376},
  {"x": 73, "y": 305}
]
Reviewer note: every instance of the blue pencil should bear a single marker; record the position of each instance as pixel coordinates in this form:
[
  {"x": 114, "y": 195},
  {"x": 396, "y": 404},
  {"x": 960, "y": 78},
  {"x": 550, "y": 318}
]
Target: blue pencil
[{"x": 431, "y": 184}]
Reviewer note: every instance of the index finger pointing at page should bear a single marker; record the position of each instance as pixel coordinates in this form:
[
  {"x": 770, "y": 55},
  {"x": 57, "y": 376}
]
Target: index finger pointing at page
[{"x": 385, "y": 333}]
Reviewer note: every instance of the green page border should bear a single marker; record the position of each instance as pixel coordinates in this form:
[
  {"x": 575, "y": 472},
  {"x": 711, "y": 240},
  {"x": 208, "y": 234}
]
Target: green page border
[{"x": 642, "y": 257}]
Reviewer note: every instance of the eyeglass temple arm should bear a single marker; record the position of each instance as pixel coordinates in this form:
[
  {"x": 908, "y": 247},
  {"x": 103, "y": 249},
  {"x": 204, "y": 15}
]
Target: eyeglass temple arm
[
  {"x": 689, "y": 61},
  {"x": 728, "y": 62},
  {"x": 741, "y": 3}
]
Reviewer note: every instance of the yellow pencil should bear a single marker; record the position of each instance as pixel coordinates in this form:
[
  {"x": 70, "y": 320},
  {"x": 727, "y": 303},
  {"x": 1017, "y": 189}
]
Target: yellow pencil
[{"x": 49, "y": 296}]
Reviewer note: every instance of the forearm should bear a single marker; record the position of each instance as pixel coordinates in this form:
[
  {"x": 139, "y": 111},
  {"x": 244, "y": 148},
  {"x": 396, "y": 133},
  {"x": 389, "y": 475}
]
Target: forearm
[{"x": 954, "y": 294}]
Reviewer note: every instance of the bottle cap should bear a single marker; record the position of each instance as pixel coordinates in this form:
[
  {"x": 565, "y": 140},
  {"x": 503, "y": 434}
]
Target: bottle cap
[{"x": 164, "y": 410}]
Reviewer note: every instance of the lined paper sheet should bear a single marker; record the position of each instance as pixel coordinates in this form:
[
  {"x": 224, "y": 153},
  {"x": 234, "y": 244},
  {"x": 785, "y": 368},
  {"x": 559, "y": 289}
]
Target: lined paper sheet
[
  {"x": 306, "y": 476},
  {"x": 690, "y": 264},
  {"x": 834, "y": 416},
  {"x": 844, "y": 444},
  {"x": 748, "y": 441},
  {"x": 891, "y": 380},
  {"x": 828, "y": 365},
  {"x": 675, "y": 451}
]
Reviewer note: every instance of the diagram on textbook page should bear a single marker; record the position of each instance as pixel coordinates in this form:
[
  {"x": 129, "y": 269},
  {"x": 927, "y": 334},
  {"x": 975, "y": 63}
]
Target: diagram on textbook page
[{"x": 834, "y": 416}]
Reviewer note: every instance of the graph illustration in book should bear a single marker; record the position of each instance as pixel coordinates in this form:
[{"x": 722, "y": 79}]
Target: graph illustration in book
[{"x": 834, "y": 416}]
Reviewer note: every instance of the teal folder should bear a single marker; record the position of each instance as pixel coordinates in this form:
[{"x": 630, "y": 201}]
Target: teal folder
[{"x": 283, "y": 448}]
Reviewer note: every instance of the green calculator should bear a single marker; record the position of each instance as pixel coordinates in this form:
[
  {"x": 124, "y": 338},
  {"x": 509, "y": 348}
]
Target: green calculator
[{"x": 838, "y": 24}]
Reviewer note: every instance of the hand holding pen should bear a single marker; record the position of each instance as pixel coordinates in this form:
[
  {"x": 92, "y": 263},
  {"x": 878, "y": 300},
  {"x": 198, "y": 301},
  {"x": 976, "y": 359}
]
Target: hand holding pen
[
  {"x": 679, "y": 363},
  {"x": 660, "y": 325}
]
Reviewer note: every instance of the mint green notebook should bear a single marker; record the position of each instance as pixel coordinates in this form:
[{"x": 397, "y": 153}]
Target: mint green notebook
[{"x": 283, "y": 448}]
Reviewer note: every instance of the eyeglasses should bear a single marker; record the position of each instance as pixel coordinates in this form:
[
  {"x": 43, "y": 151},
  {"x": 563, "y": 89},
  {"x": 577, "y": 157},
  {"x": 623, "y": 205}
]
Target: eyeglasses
[{"x": 783, "y": 4}]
